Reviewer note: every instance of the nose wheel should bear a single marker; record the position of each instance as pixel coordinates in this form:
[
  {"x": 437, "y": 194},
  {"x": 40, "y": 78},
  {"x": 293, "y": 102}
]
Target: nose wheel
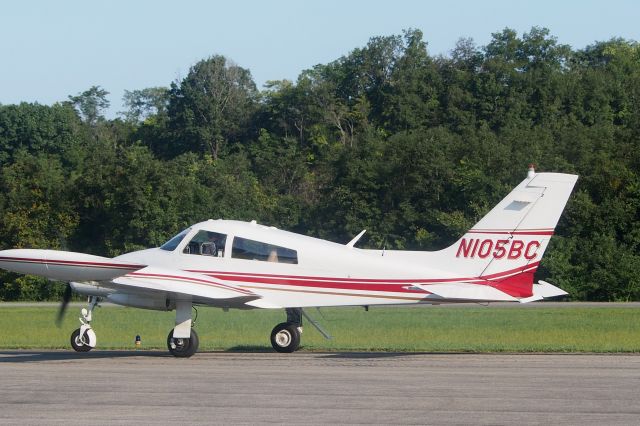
[
  {"x": 80, "y": 341},
  {"x": 83, "y": 339}
]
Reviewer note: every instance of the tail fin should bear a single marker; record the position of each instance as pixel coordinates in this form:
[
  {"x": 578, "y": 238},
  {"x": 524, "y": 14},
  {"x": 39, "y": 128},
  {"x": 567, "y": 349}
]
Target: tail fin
[{"x": 504, "y": 249}]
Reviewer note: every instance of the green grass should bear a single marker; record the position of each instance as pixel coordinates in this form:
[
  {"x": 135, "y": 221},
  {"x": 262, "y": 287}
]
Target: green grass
[{"x": 430, "y": 329}]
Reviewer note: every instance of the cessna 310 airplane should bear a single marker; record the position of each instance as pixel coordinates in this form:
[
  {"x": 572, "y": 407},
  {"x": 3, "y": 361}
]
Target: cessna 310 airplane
[{"x": 244, "y": 265}]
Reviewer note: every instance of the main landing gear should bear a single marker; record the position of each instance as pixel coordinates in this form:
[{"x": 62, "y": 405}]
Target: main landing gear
[
  {"x": 285, "y": 337},
  {"x": 183, "y": 347},
  {"x": 83, "y": 339},
  {"x": 183, "y": 341}
]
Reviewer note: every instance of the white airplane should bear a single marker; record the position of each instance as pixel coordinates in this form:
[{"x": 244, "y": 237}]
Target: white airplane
[{"x": 244, "y": 265}]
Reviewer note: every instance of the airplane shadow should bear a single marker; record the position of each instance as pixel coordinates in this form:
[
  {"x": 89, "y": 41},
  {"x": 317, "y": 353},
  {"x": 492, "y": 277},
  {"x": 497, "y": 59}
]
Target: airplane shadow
[
  {"x": 341, "y": 355},
  {"x": 26, "y": 356},
  {"x": 18, "y": 356},
  {"x": 380, "y": 355},
  {"x": 249, "y": 349}
]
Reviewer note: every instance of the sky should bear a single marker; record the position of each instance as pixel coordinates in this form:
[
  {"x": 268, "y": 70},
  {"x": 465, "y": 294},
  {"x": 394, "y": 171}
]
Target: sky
[{"x": 52, "y": 49}]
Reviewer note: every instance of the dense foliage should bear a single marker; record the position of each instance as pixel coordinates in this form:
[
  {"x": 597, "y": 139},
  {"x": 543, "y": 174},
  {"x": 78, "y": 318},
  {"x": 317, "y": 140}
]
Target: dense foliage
[{"x": 412, "y": 147}]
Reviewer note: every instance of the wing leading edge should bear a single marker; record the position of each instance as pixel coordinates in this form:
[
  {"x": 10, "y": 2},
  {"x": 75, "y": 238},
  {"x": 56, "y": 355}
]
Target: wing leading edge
[{"x": 179, "y": 284}]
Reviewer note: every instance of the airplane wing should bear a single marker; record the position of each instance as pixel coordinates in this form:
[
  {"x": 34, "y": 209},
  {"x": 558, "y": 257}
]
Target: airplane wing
[
  {"x": 86, "y": 271},
  {"x": 179, "y": 284},
  {"x": 64, "y": 265}
]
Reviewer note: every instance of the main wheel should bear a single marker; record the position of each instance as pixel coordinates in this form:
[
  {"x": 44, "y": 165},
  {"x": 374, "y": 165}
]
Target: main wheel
[
  {"x": 183, "y": 347},
  {"x": 80, "y": 343},
  {"x": 285, "y": 337}
]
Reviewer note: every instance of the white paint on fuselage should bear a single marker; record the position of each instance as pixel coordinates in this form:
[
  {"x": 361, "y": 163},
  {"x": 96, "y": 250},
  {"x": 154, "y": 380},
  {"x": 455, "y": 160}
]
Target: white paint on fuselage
[{"x": 316, "y": 257}]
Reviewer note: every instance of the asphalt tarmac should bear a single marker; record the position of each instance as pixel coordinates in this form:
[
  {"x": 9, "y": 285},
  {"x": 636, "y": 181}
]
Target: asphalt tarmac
[{"x": 126, "y": 387}]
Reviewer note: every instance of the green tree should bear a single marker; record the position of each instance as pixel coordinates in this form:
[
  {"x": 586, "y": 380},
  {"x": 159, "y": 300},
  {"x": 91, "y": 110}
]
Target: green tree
[
  {"x": 90, "y": 104},
  {"x": 211, "y": 107},
  {"x": 38, "y": 128},
  {"x": 142, "y": 104},
  {"x": 413, "y": 97},
  {"x": 35, "y": 208}
]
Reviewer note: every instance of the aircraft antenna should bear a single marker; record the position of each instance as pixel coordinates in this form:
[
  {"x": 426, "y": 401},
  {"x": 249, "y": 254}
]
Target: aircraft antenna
[{"x": 355, "y": 239}]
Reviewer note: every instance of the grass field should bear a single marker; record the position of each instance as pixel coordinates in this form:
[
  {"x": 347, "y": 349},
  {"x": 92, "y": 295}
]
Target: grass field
[{"x": 431, "y": 329}]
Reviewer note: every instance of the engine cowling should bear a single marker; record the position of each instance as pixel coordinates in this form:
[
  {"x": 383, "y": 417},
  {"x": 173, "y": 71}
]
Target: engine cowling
[
  {"x": 142, "y": 301},
  {"x": 90, "y": 289}
]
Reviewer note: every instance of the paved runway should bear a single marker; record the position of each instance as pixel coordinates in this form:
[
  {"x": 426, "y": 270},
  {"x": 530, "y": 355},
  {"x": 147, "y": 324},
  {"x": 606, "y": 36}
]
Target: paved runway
[{"x": 121, "y": 387}]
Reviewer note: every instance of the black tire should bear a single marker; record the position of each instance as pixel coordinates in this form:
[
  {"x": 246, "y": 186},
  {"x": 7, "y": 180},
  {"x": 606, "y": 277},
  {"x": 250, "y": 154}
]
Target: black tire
[
  {"x": 183, "y": 348},
  {"x": 76, "y": 344},
  {"x": 285, "y": 337}
]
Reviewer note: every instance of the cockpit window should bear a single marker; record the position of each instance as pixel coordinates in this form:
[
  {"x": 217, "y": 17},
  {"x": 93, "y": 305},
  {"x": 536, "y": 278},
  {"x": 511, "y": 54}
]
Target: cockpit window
[
  {"x": 255, "y": 250},
  {"x": 206, "y": 243},
  {"x": 174, "y": 241}
]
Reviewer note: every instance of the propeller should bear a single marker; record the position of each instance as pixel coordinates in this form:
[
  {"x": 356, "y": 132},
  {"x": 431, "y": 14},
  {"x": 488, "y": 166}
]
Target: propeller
[{"x": 66, "y": 297}]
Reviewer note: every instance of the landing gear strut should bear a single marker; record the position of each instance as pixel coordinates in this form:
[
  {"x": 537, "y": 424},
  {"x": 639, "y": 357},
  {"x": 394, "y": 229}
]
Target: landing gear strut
[
  {"x": 183, "y": 341},
  {"x": 285, "y": 337},
  {"x": 83, "y": 339}
]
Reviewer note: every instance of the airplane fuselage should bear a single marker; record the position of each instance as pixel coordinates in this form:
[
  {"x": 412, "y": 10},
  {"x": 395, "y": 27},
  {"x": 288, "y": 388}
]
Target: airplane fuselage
[{"x": 325, "y": 273}]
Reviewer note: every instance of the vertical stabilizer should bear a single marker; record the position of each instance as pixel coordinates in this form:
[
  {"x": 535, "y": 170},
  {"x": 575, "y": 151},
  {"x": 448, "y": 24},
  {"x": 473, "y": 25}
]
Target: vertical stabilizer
[{"x": 505, "y": 247}]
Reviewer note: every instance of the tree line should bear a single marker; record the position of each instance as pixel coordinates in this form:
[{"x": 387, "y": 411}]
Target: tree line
[{"x": 413, "y": 147}]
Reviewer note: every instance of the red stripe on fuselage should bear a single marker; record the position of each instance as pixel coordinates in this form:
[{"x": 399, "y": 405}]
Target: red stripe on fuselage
[
  {"x": 188, "y": 279},
  {"x": 360, "y": 284}
]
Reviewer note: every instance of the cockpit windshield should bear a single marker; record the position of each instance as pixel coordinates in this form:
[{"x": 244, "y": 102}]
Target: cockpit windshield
[{"x": 175, "y": 241}]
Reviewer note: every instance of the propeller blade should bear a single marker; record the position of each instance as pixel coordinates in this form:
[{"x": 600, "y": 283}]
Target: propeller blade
[{"x": 66, "y": 297}]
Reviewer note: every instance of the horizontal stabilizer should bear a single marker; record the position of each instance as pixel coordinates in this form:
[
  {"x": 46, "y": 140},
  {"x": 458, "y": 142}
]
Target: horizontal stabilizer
[
  {"x": 544, "y": 290},
  {"x": 465, "y": 291}
]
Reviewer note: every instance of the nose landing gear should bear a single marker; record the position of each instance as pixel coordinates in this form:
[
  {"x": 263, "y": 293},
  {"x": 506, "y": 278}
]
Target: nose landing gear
[{"x": 83, "y": 339}]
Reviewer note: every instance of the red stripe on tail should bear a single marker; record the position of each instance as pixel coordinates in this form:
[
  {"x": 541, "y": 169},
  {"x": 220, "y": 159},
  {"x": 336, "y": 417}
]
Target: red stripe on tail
[{"x": 520, "y": 285}]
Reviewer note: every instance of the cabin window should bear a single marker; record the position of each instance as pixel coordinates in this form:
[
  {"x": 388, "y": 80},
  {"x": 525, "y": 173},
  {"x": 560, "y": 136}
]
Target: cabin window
[
  {"x": 206, "y": 243},
  {"x": 255, "y": 250},
  {"x": 174, "y": 241}
]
